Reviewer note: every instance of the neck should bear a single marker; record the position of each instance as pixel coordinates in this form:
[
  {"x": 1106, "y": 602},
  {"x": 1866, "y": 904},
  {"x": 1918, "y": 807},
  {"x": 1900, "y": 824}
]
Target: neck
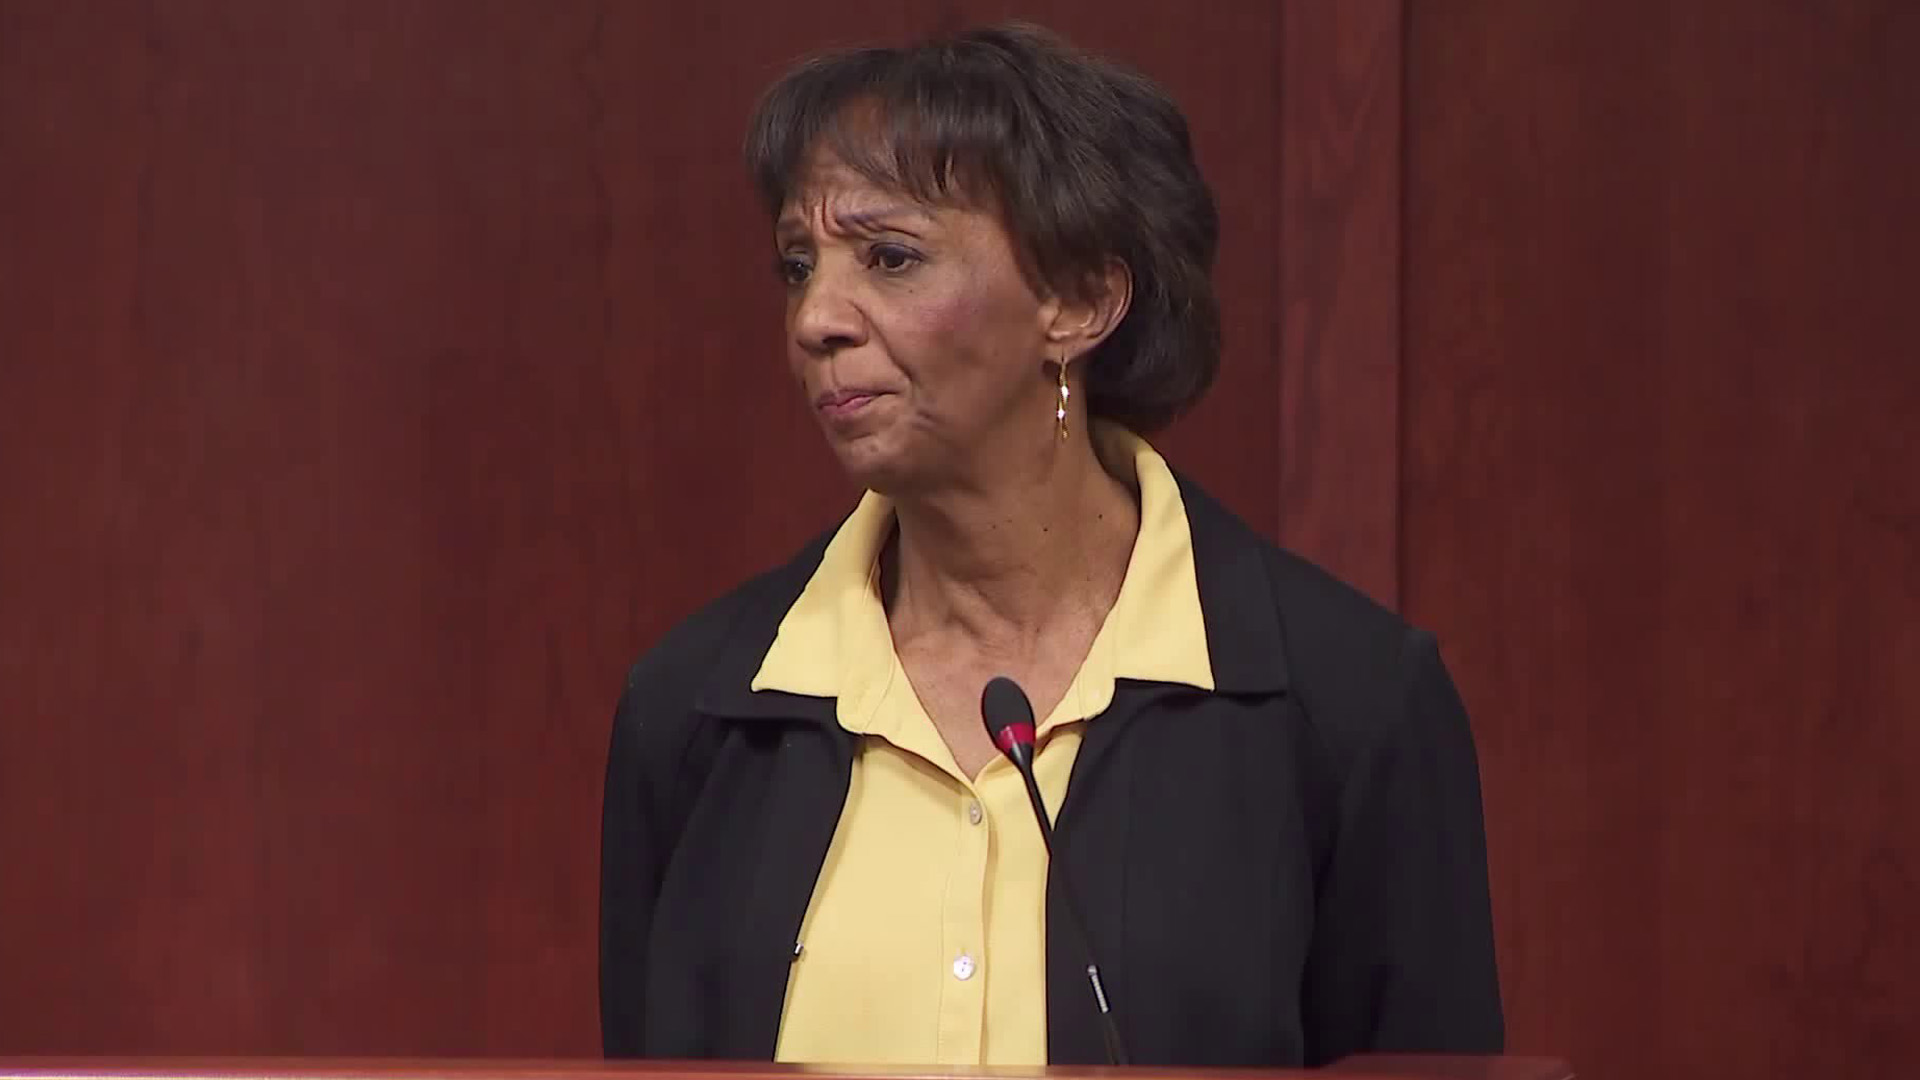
[{"x": 1003, "y": 563}]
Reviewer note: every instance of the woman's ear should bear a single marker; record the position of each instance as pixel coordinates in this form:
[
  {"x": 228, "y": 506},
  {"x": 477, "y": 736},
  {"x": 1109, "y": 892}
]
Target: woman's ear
[{"x": 1087, "y": 317}]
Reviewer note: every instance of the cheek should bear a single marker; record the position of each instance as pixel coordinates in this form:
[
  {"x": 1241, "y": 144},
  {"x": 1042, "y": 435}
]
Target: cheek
[
  {"x": 970, "y": 333},
  {"x": 796, "y": 354},
  {"x": 925, "y": 310}
]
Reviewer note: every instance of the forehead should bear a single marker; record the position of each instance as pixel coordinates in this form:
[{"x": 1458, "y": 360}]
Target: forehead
[
  {"x": 828, "y": 191},
  {"x": 826, "y": 183}
]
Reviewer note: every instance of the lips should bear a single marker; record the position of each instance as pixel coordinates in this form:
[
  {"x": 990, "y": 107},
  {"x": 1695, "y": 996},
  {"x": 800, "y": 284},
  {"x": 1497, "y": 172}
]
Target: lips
[
  {"x": 847, "y": 408},
  {"x": 842, "y": 399}
]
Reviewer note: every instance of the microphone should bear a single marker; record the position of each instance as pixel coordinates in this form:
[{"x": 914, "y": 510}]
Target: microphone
[{"x": 1009, "y": 718}]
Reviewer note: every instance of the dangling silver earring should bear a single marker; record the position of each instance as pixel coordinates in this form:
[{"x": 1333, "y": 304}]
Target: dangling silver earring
[{"x": 1060, "y": 410}]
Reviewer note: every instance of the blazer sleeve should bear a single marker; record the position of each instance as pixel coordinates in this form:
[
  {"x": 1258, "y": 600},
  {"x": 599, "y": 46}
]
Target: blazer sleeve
[
  {"x": 1402, "y": 958},
  {"x": 629, "y": 878},
  {"x": 648, "y": 781}
]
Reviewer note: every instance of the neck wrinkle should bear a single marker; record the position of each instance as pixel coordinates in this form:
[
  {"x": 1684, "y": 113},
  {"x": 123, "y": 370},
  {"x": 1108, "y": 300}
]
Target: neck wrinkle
[{"x": 1002, "y": 566}]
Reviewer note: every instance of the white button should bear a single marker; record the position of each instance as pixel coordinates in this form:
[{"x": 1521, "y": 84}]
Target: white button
[
  {"x": 973, "y": 812},
  {"x": 963, "y": 967}
]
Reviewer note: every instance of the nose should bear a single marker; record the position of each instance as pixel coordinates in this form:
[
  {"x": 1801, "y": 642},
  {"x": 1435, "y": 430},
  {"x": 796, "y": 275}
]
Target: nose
[{"x": 823, "y": 318}]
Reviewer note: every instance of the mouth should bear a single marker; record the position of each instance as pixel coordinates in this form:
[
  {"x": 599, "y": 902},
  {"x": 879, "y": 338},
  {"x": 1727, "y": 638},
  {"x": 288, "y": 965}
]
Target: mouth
[{"x": 846, "y": 404}]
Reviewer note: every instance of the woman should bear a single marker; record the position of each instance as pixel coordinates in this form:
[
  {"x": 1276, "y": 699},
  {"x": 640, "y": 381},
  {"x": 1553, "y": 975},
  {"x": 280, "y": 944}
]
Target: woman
[{"x": 997, "y": 256}]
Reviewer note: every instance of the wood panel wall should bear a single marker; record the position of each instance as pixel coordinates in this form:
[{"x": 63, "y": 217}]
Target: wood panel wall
[{"x": 1661, "y": 505}]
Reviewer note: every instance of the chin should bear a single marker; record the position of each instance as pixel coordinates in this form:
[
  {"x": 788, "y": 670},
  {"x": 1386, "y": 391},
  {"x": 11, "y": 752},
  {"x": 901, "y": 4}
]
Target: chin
[{"x": 876, "y": 462}]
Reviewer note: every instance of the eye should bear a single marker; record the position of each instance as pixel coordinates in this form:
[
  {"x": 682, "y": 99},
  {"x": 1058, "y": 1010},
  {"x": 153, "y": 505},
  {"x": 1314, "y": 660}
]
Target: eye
[
  {"x": 792, "y": 269},
  {"x": 891, "y": 258}
]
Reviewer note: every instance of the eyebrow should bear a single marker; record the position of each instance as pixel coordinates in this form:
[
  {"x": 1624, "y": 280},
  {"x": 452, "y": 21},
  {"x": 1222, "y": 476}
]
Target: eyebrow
[{"x": 885, "y": 218}]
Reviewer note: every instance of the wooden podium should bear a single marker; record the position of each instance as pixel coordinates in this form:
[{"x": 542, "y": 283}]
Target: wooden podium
[{"x": 1367, "y": 1067}]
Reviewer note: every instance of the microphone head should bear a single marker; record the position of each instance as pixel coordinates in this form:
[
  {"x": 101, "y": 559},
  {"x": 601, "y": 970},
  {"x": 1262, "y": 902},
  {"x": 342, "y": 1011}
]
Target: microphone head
[{"x": 1009, "y": 717}]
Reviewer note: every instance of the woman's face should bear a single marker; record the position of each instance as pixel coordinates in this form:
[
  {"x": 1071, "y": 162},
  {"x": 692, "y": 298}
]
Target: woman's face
[{"x": 913, "y": 334}]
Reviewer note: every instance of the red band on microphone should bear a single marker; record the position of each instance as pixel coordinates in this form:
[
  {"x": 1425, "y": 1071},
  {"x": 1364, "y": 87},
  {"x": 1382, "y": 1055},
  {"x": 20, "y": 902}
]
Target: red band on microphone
[{"x": 1014, "y": 735}]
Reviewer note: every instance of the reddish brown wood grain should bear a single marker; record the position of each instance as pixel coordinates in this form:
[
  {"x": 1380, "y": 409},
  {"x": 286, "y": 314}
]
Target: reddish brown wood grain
[
  {"x": 1660, "y": 503},
  {"x": 1339, "y": 135}
]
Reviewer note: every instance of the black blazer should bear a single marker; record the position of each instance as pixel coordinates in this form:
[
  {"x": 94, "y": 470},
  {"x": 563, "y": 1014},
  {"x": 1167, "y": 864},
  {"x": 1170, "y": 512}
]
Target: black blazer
[{"x": 1282, "y": 872}]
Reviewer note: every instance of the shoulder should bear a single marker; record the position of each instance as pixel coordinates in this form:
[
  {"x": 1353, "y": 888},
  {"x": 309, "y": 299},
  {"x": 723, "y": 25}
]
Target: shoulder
[
  {"x": 1339, "y": 641},
  {"x": 1365, "y": 677},
  {"x": 1350, "y": 662},
  {"x": 720, "y": 639}
]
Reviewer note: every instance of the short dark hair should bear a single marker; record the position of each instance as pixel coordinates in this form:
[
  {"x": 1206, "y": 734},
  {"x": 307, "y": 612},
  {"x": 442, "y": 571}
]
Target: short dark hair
[{"x": 1085, "y": 160}]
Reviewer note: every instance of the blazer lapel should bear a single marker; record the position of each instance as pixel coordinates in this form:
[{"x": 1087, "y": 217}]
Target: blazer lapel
[
  {"x": 1244, "y": 638},
  {"x": 802, "y": 801},
  {"x": 798, "y": 789},
  {"x": 1091, "y": 838},
  {"x": 1095, "y": 831}
]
